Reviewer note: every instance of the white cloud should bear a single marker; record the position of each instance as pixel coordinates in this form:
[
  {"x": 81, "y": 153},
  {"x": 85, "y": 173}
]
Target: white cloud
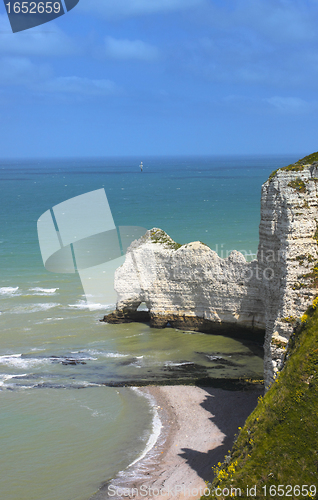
[
  {"x": 126, "y": 8},
  {"x": 293, "y": 105},
  {"x": 130, "y": 49},
  {"x": 39, "y": 41},
  {"x": 80, "y": 86},
  {"x": 21, "y": 71}
]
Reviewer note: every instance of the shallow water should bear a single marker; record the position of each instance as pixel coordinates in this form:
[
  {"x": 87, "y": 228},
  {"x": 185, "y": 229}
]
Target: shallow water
[{"x": 61, "y": 443}]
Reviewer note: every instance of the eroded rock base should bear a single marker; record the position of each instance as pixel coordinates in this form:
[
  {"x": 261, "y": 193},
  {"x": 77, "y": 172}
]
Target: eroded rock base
[{"x": 184, "y": 322}]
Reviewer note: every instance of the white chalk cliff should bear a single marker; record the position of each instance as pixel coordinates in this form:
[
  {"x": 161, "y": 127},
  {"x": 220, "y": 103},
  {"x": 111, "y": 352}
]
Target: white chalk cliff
[{"x": 191, "y": 287}]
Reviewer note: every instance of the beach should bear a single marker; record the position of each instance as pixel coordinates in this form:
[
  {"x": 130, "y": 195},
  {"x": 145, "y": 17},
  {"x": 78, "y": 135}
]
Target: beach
[{"x": 199, "y": 425}]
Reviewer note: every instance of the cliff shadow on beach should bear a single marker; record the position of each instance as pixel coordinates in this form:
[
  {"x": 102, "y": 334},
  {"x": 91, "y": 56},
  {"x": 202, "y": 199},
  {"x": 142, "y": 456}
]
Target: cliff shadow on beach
[{"x": 229, "y": 410}]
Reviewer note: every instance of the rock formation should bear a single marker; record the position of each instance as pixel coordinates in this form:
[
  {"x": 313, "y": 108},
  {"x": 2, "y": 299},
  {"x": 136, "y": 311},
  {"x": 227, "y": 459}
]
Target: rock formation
[
  {"x": 191, "y": 287},
  {"x": 288, "y": 252}
]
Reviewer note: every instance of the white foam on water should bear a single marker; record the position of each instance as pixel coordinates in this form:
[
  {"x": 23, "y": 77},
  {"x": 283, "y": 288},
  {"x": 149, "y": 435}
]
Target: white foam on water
[
  {"x": 115, "y": 355},
  {"x": 156, "y": 425},
  {"x": 82, "y": 304},
  {"x": 83, "y": 358},
  {"x": 16, "y": 360},
  {"x": 47, "y": 319},
  {"x": 94, "y": 413},
  {"x": 4, "y": 378},
  {"x": 20, "y": 387},
  {"x": 95, "y": 352},
  {"x": 9, "y": 291},
  {"x": 35, "y": 307},
  {"x": 135, "y": 335},
  {"x": 95, "y": 307},
  {"x": 137, "y": 363},
  {"x": 43, "y": 291}
]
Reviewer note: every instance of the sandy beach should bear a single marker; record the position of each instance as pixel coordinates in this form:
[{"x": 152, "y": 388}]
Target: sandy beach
[{"x": 198, "y": 428}]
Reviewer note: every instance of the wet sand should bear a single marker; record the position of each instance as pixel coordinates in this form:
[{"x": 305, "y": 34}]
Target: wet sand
[{"x": 198, "y": 428}]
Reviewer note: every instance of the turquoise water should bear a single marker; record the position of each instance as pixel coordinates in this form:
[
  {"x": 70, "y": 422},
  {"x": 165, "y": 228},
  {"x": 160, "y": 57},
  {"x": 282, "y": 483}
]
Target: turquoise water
[{"x": 63, "y": 432}]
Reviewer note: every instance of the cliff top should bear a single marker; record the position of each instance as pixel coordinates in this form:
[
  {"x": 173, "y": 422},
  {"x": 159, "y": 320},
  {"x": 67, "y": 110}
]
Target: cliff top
[{"x": 298, "y": 166}]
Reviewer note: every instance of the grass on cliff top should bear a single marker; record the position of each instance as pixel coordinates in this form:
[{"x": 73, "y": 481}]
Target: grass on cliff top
[
  {"x": 159, "y": 236},
  {"x": 298, "y": 166},
  {"x": 278, "y": 444}
]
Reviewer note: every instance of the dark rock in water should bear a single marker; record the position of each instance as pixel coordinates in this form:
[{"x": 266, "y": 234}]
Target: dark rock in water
[
  {"x": 220, "y": 359},
  {"x": 73, "y": 362},
  {"x": 67, "y": 361},
  {"x": 182, "y": 322},
  {"x": 230, "y": 384},
  {"x": 117, "y": 317},
  {"x": 127, "y": 362},
  {"x": 185, "y": 367}
]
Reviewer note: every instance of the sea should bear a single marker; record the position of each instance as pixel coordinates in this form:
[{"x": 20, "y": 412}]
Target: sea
[{"x": 71, "y": 413}]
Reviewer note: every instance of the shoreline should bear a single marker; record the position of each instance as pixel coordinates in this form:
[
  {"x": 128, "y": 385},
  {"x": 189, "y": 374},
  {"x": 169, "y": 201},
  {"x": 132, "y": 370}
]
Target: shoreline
[{"x": 198, "y": 426}]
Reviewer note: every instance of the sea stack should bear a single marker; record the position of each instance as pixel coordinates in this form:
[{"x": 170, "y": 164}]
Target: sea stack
[{"x": 191, "y": 287}]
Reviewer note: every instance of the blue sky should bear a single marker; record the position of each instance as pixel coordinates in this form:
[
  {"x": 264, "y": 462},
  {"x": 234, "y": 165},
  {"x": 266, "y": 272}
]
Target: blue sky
[{"x": 169, "y": 77}]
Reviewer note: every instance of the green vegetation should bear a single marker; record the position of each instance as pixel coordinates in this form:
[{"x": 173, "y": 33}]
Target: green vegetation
[
  {"x": 298, "y": 185},
  {"x": 159, "y": 236},
  {"x": 312, "y": 276},
  {"x": 316, "y": 233},
  {"x": 309, "y": 159},
  {"x": 293, "y": 167},
  {"x": 278, "y": 444},
  {"x": 309, "y": 257},
  {"x": 289, "y": 319},
  {"x": 278, "y": 343},
  {"x": 297, "y": 285},
  {"x": 298, "y": 166},
  {"x": 301, "y": 259}
]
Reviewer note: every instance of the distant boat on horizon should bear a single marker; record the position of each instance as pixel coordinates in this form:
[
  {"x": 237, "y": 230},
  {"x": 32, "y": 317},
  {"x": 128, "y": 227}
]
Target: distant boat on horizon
[{"x": 141, "y": 166}]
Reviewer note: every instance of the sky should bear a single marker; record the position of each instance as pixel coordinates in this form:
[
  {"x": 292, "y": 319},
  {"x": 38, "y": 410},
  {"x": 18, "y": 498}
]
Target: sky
[{"x": 162, "y": 77}]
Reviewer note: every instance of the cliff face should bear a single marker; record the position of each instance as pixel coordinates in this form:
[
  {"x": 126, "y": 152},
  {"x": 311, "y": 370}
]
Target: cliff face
[
  {"x": 287, "y": 256},
  {"x": 192, "y": 287}
]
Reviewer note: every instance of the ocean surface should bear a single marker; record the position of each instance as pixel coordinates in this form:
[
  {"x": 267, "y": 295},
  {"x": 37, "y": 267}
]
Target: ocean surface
[{"x": 67, "y": 424}]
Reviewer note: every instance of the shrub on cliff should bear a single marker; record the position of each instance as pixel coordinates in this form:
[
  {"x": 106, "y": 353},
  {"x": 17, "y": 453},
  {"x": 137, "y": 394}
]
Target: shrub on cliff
[
  {"x": 298, "y": 166},
  {"x": 278, "y": 444}
]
